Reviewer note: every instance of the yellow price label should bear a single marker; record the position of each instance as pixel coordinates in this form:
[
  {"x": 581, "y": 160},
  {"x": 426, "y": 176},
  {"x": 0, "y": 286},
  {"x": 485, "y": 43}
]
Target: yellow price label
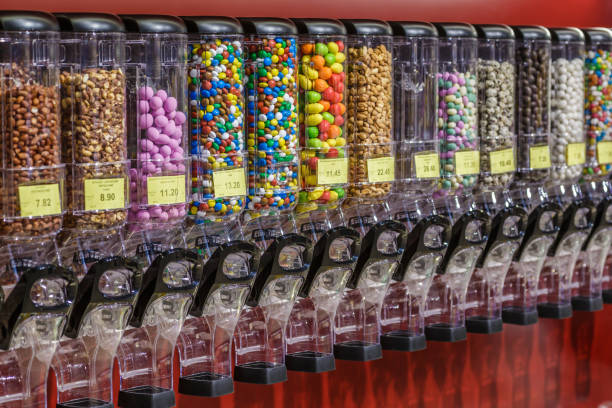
[
  {"x": 467, "y": 162},
  {"x": 40, "y": 200},
  {"x": 539, "y": 157},
  {"x": 104, "y": 194},
  {"x": 427, "y": 165},
  {"x": 604, "y": 152},
  {"x": 575, "y": 154},
  {"x": 381, "y": 169},
  {"x": 229, "y": 183},
  {"x": 502, "y": 161},
  {"x": 332, "y": 171},
  {"x": 164, "y": 190}
]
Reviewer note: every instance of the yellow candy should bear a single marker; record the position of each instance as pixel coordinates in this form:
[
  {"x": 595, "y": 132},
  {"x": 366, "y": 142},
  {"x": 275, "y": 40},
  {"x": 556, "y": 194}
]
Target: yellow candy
[
  {"x": 274, "y": 122},
  {"x": 274, "y": 59},
  {"x": 313, "y": 120},
  {"x": 314, "y": 108},
  {"x": 331, "y": 142},
  {"x": 274, "y": 72},
  {"x": 335, "y": 67},
  {"x": 340, "y": 57},
  {"x": 333, "y": 196},
  {"x": 211, "y": 203},
  {"x": 315, "y": 195},
  {"x": 311, "y": 73},
  {"x": 340, "y": 141}
]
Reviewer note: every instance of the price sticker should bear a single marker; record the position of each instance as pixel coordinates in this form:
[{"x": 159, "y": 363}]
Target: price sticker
[
  {"x": 467, "y": 162},
  {"x": 575, "y": 154},
  {"x": 332, "y": 171},
  {"x": 381, "y": 169},
  {"x": 502, "y": 161},
  {"x": 604, "y": 152},
  {"x": 104, "y": 194},
  {"x": 164, "y": 190},
  {"x": 228, "y": 183},
  {"x": 40, "y": 200},
  {"x": 427, "y": 165},
  {"x": 539, "y": 157}
]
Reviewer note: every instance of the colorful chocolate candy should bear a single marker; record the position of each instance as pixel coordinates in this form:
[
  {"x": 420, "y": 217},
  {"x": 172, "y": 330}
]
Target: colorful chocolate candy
[
  {"x": 216, "y": 100},
  {"x": 598, "y": 97},
  {"x": 272, "y": 141}
]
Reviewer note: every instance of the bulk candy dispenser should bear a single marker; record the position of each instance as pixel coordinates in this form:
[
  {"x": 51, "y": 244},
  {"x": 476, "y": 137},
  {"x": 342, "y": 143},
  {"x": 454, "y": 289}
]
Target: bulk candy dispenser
[
  {"x": 83, "y": 361},
  {"x": 554, "y": 292},
  {"x": 415, "y": 87},
  {"x": 36, "y": 302},
  {"x": 310, "y": 329},
  {"x": 496, "y": 93},
  {"x": 597, "y": 103},
  {"x": 93, "y": 122},
  {"x": 271, "y": 69},
  {"x": 156, "y": 47},
  {"x": 483, "y": 306},
  {"x": 586, "y": 285},
  {"x": 357, "y": 324},
  {"x": 521, "y": 283},
  {"x": 215, "y": 70},
  {"x": 32, "y": 174},
  {"x": 322, "y": 112},
  {"x": 457, "y": 108},
  {"x": 369, "y": 105},
  {"x": 205, "y": 343},
  {"x": 445, "y": 307},
  {"x": 260, "y": 342},
  {"x": 567, "y": 136},
  {"x": 403, "y": 311},
  {"x": 533, "y": 53}
]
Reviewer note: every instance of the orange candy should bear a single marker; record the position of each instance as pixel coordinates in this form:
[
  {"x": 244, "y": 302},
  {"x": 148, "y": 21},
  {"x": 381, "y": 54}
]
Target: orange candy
[
  {"x": 325, "y": 104},
  {"x": 318, "y": 62},
  {"x": 334, "y": 131},
  {"x": 325, "y": 73},
  {"x": 320, "y": 85},
  {"x": 307, "y": 49}
]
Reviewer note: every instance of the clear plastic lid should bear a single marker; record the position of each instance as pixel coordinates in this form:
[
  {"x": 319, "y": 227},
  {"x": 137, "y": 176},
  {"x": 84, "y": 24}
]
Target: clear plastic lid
[
  {"x": 533, "y": 61},
  {"x": 496, "y": 92},
  {"x": 597, "y": 104},
  {"x": 457, "y": 108},
  {"x": 32, "y": 173},
  {"x": 369, "y": 129},
  {"x": 272, "y": 114},
  {"x": 215, "y": 77},
  {"x": 322, "y": 112},
  {"x": 93, "y": 101},
  {"x": 156, "y": 49},
  {"x": 415, "y": 90},
  {"x": 568, "y": 153}
]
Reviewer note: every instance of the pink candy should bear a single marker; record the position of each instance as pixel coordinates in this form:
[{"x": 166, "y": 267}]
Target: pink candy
[{"x": 159, "y": 153}]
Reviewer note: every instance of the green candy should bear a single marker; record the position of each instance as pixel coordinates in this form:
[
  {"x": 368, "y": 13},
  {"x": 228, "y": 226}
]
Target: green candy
[
  {"x": 330, "y": 59},
  {"x": 312, "y": 132},
  {"x": 303, "y": 197},
  {"x": 340, "y": 153},
  {"x": 313, "y": 96},
  {"x": 328, "y": 117},
  {"x": 314, "y": 143},
  {"x": 321, "y": 49},
  {"x": 340, "y": 192}
]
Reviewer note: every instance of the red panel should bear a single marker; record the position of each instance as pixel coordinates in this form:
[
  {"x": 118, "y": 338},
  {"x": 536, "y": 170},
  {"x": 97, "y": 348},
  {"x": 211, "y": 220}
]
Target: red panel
[
  {"x": 546, "y": 12},
  {"x": 552, "y": 364}
]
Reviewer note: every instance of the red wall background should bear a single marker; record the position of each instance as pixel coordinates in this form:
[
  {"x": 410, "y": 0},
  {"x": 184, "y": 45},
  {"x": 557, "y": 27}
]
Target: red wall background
[{"x": 552, "y": 364}]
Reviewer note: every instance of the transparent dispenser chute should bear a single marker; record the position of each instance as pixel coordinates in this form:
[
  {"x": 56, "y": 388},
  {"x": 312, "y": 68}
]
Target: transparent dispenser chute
[
  {"x": 205, "y": 342},
  {"x": 36, "y": 303},
  {"x": 145, "y": 353},
  {"x": 587, "y": 280},
  {"x": 310, "y": 329},
  {"x": 521, "y": 283},
  {"x": 259, "y": 338},
  {"x": 357, "y": 323},
  {"x": 554, "y": 292},
  {"x": 83, "y": 361},
  {"x": 483, "y": 308},
  {"x": 403, "y": 310},
  {"x": 445, "y": 308}
]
